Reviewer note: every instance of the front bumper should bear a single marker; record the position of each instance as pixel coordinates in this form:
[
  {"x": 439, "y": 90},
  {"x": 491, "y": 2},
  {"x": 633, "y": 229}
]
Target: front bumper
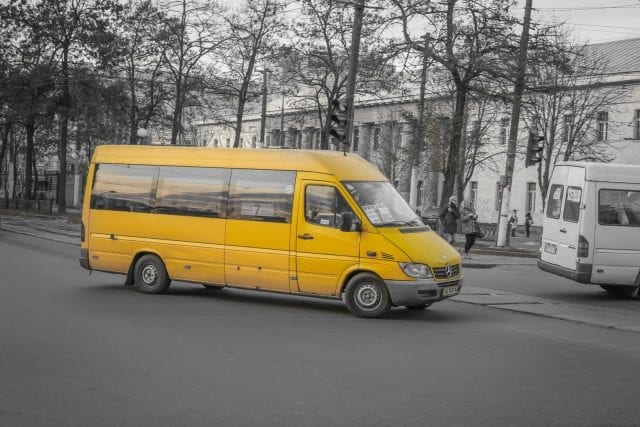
[{"x": 423, "y": 291}]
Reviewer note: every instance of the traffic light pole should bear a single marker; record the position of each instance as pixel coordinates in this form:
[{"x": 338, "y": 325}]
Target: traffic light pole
[
  {"x": 353, "y": 67},
  {"x": 513, "y": 131}
]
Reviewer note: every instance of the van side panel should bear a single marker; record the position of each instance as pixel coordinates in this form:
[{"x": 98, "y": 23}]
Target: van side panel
[
  {"x": 191, "y": 247},
  {"x": 617, "y": 247}
]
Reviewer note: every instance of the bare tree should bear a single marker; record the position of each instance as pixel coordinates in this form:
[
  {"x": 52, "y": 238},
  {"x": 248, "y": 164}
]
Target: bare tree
[
  {"x": 568, "y": 97},
  {"x": 471, "y": 40},
  {"x": 192, "y": 31},
  {"x": 318, "y": 59}
]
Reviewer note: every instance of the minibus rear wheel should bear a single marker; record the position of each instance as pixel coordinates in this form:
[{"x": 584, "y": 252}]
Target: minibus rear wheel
[
  {"x": 367, "y": 296},
  {"x": 150, "y": 276}
]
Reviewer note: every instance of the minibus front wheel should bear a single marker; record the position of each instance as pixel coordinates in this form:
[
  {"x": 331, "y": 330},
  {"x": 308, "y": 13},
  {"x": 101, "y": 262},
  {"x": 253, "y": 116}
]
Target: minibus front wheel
[
  {"x": 150, "y": 276},
  {"x": 367, "y": 296}
]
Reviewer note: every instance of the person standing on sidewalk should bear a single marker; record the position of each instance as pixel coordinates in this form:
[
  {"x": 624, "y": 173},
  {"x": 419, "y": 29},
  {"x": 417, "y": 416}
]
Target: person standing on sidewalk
[
  {"x": 514, "y": 222},
  {"x": 468, "y": 218},
  {"x": 527, "y": 223},
  {"x": 449, "y": 220}
]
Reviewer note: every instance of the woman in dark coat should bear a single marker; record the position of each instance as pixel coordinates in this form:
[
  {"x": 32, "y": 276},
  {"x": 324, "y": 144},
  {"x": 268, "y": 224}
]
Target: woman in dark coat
[{"x": 449, "y": 220}]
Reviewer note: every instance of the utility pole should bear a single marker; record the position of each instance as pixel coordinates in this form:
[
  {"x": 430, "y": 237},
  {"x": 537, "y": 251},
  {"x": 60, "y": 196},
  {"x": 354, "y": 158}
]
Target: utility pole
[
  {"x": 353, "y": 67},
  {"x": 420, "y": 134},
  {"x": 263, "y": 120},
  {"x": 513, "y": 131}
]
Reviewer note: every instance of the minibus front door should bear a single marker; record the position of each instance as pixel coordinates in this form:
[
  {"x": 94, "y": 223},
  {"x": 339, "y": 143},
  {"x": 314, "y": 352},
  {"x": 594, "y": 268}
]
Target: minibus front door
[{"x": 323, "y": 251}]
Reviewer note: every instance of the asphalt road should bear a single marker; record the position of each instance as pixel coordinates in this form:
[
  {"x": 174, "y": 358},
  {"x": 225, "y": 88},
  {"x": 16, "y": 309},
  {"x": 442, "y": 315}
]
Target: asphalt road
[{"x": 79, "y": 349}]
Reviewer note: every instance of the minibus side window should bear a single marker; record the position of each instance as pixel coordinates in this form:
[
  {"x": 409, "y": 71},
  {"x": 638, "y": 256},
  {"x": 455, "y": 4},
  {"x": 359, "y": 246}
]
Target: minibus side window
[
  {"x": 124, "y": 187},
  {"x": 572, "y": 204},
  {"x": 261, "y": 195},
  {"x": 324, "y": 205},
  {"x": 619, "y": 207},
  {"x": 192, "y": 191},
  {"x": 555, "y": 201}
]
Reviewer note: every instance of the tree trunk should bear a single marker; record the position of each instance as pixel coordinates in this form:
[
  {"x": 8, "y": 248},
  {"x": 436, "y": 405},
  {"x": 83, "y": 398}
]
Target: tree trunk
[
  {"x": 64, "y": 133},
  {"x": 176, "y": 122},
  {"x": 451, "y": 169},
  {"x": 30, "y": 127}
]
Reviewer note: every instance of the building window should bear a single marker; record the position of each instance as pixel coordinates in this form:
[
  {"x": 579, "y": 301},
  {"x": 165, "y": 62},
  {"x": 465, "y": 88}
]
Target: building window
[
  {"x": 567, "y": 129},
  {"x": 636, "y": 124},
  {"x": 419, "y": 193},
  {"x": 498, "y": 205},
  {"x": 504, "y": 130},
  {"x": 473, "y": 192},
  {"x": 215, "y": 142},
  {"x": 376, "y": 138},
  {"x": 268, "y": 139},
  {"x": 228, "y": 142},
  {"x": 531, "y": 197},
  {"x": 356, "y": 139},
  {"x": 253, "y": 141},
  {"x": 603, "y": 124}
]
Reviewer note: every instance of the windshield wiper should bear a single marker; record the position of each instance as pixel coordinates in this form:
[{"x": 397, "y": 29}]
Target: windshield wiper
[{"x": 412, "y": 222}]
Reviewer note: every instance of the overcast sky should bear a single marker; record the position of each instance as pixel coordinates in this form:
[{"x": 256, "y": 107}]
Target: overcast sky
[{"x": 593, "y": 20}]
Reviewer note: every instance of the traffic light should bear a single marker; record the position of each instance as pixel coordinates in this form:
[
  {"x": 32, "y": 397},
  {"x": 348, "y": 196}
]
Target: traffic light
[
  {"x": 534, "y": 149},
  {"x": 339, "y": 120}
]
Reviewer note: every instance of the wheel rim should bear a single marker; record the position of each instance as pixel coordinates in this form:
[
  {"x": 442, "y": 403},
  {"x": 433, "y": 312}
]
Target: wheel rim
[
  {"x": 149, "y": 274},
  {"x": 368, "y": 297}
]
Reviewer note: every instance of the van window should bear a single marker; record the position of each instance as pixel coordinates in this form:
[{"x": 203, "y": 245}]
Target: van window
[
  {"x": 619, "y": 207},
  {"x": 555, "y": 201},
  {"x": 124, "y": 187},
  {"x": 572, "y": 204},
  {"x": 261, "y": 195},
  {"x": 192, "y": 191},
  {"x": 324, "y": 205}
]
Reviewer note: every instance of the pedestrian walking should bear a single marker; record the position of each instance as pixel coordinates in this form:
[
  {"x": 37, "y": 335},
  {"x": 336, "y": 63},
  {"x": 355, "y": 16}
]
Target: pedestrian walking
[
  {"x": 468, "y": 219},
  {"x": 527, "y": 223},
  {"x": 449, "y": 219},
  {"x": 513, "y": 220}
]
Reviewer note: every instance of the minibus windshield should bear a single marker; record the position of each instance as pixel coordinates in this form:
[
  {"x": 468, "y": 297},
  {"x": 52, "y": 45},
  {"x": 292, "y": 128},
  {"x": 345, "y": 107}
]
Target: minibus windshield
[{"x": 382, "y": 203}]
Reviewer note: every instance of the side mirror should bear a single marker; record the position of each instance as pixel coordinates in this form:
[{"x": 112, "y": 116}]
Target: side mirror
[{"x": 347, "y": 222}]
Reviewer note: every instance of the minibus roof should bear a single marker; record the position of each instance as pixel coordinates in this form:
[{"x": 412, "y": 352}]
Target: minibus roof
[
  {"x": 607, "y": 172},
  {"x": 344, "y": 168}
]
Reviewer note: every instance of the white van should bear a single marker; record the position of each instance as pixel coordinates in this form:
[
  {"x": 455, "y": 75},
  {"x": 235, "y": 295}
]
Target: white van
[{"x": 591, "y": 227}]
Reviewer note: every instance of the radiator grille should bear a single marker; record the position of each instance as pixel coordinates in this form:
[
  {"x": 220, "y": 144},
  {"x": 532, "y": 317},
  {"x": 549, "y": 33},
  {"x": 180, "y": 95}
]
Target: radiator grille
[{"x": 441, "y": 272}]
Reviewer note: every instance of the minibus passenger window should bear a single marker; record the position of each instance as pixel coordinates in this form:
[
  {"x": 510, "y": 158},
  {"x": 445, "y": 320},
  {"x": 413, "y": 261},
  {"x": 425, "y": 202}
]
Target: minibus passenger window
[
  {"x": 192, "y": 191},
  {"x": 555, "y": 201},
  {"x": 572, "y": 204},
  {"x": 261, "y": 195},
  {"x": 324, "y": 205},
  {"x": 124, "y": 187}
]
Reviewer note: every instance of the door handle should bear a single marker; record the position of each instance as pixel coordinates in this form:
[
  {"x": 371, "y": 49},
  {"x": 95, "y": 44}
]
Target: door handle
[
  {"x": 563, "y": 230},
  {"x": 305, "y": 236}
]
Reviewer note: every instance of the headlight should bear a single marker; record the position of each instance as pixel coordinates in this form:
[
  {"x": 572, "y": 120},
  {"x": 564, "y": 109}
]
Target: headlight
[{"x": 419, "y": 271}]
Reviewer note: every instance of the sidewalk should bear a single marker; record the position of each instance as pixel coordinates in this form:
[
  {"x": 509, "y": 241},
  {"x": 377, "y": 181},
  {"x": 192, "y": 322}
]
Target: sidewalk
[{"x": 66, "y": 229}]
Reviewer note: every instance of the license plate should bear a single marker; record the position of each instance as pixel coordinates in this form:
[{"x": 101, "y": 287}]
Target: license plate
[
  {"x": 550, "y": 248},
  {"x": 450, "y": 291}
]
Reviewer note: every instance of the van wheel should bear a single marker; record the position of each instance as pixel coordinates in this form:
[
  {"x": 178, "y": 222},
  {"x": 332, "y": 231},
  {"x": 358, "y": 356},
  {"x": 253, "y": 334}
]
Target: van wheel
[
  {"x": 624, "y": 291},
  {"x": 417, "y": 307},
  {"x": 367, "y": 296},
  {"x": 150, "y": 276}
]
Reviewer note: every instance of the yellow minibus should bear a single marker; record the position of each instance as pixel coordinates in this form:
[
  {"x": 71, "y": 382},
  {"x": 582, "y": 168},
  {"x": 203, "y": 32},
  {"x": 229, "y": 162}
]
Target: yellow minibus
[{"x": 311, "y": 223}]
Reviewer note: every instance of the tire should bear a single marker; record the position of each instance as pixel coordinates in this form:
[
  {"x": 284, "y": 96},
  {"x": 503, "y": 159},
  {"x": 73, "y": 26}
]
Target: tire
[
  {"x": 367, "y": 296},
  {"x": 150, "y": 276},
  {"x": 623, "y": 291},
  {"x": 417, "y": 307}
]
